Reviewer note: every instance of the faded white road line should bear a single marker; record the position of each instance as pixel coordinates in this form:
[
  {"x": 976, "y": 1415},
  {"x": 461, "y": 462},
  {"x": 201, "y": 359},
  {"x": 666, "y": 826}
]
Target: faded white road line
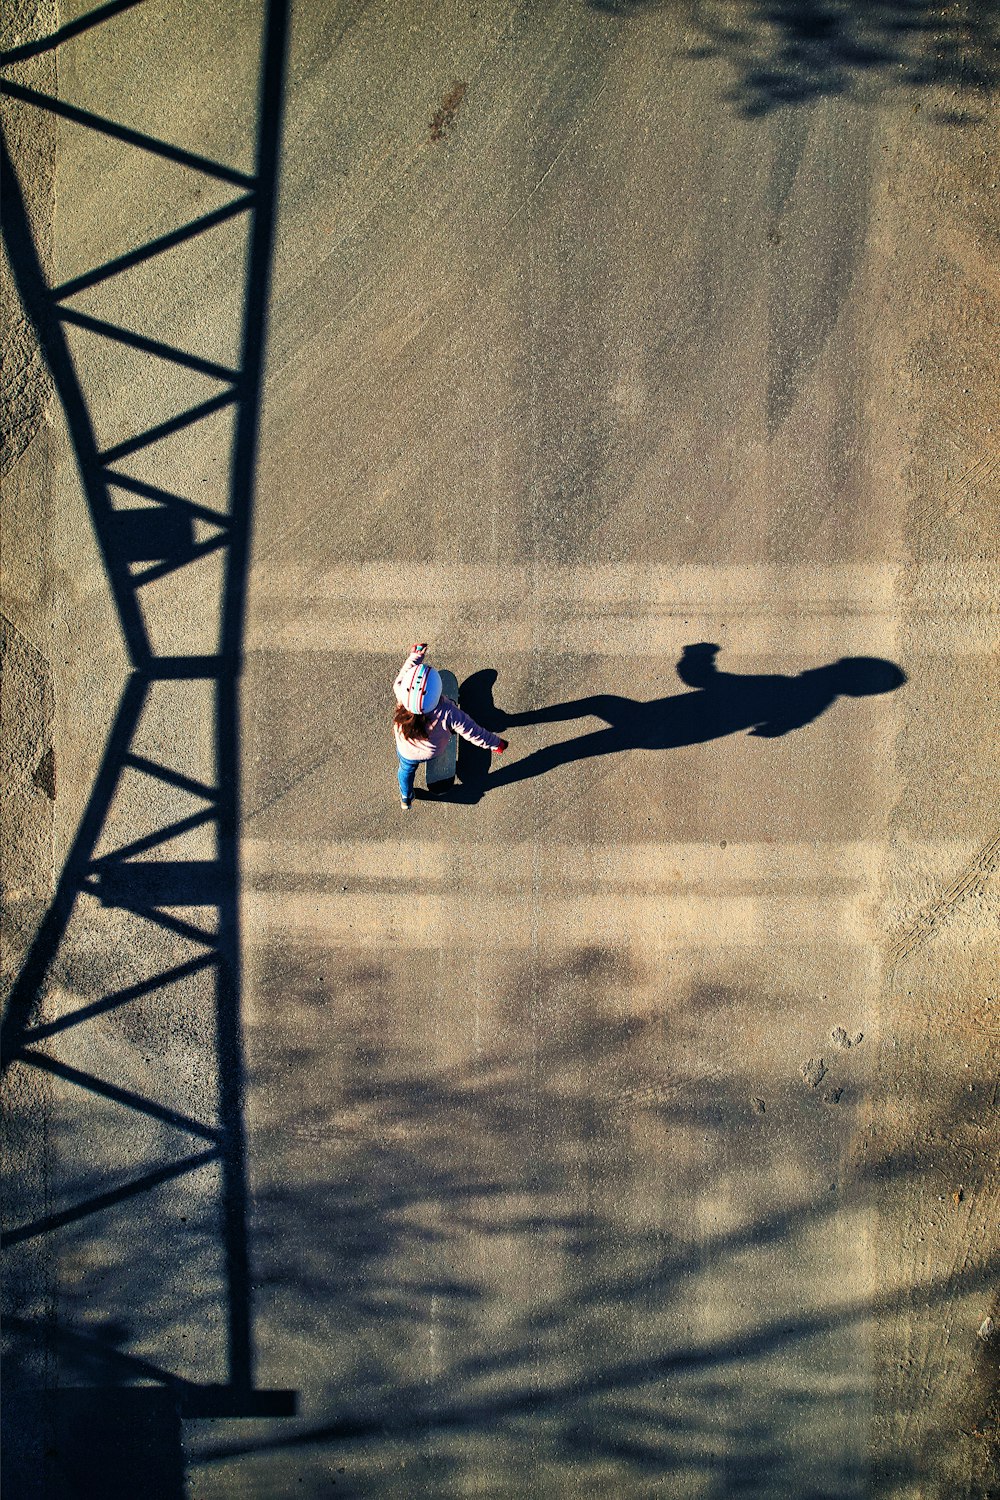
[
  {"x": 660, "y": 895},
  {"x": 615, "y": 866},
  {"x": 420, "y": 920},
  {"x": 627, "y": 610}
]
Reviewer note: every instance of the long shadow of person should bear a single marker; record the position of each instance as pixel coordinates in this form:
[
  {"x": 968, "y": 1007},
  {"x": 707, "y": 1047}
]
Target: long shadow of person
[{"x": 722, "y": 703}]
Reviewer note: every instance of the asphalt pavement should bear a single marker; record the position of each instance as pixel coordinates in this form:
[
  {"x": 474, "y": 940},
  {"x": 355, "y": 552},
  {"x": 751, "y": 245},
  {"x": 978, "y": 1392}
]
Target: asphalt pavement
[{"x": 621, "y": 1122}]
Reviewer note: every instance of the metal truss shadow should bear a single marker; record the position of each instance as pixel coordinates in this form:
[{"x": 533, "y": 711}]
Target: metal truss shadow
[{"x": 181, "y": 914}]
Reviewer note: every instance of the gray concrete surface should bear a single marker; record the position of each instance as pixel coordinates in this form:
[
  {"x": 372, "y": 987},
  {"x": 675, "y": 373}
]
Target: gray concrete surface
[{"x": 629, "y": 1130}]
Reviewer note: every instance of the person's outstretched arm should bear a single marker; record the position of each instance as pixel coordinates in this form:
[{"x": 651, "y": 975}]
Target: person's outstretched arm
[
  {"x": 610, "y": 707},
  {"x": 458, "y": 722},
  {"x": 416, "y": 656}
]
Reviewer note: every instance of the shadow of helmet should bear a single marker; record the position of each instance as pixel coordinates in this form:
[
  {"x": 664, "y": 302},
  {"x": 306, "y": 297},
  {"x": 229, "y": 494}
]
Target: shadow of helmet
[{"x": 858, "y": 676}]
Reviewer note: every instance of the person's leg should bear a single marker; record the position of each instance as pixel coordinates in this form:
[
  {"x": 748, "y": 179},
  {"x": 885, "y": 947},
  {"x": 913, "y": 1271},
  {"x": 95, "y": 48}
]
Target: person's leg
[
  {"x": 563, "y": 753},
  {"x": 406, "y": 772}
]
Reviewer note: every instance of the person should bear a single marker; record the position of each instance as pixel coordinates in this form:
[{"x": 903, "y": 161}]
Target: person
[{"x": 424, "y": 721}]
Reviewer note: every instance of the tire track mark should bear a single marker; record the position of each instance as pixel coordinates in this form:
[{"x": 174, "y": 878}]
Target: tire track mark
[
  {"x": 980, "y": 474},
  {"x": 970, "y": 882}
]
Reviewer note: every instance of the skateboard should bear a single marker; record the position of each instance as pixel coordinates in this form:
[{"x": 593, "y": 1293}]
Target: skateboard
[{"x": 441, "y": 768}]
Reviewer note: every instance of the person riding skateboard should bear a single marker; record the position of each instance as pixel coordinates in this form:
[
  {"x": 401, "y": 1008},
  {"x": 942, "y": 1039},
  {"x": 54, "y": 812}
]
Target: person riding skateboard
[{"x": 424, "y": 721}]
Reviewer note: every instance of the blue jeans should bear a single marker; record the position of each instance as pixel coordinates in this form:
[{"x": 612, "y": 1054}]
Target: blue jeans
[{"x": 407, "y": 771}]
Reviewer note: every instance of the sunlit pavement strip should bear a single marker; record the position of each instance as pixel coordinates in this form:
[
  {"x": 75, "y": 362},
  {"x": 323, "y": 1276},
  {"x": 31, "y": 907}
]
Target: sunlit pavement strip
[
  {"x": 375, "y": 921},
  {"x": 627, "y": 610},
  {"x": 612, "y": 865},
  {"x": 671, "y": 895}
]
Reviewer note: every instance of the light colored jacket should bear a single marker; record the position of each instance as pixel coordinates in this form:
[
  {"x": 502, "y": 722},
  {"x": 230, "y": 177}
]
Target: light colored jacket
[{"x": 444, "y": 720}]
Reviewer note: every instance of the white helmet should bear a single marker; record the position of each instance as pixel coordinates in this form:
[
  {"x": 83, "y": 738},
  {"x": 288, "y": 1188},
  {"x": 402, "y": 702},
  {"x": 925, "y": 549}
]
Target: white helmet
[{"x": 419, "y": 688}]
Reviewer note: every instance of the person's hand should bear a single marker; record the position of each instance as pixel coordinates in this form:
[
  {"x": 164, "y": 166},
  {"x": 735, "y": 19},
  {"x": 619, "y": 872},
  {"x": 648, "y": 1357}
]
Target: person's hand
[
  {"x": 418, "y": 646},
  {"x": 501, "y": 747}
]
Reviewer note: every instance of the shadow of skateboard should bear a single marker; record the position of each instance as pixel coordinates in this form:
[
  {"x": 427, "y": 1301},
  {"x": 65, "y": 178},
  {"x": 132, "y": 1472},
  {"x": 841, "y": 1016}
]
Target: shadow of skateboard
[{"x": 464, "y": 762}]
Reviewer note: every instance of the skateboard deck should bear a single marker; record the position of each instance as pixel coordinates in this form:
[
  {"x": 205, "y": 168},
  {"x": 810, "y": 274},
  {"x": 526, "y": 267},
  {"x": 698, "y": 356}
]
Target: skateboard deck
[{"x": 441, "y": 769}]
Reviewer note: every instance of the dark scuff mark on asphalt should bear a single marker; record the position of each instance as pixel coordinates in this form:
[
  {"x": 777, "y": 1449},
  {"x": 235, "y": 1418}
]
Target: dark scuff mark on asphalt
[{"x": 444, "y": 116}]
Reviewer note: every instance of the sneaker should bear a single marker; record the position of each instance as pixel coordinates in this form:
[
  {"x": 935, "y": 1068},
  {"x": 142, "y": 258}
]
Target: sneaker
[{"x": 405, "y": 803}]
